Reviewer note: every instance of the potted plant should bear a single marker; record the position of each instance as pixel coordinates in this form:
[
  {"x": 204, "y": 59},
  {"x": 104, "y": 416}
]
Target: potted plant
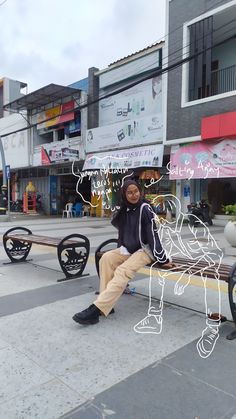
[{"x": 230, "y": 228}]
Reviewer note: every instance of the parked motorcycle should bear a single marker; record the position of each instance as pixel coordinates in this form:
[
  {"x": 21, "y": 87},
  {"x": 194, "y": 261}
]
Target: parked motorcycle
[
  {"x": 16, "y": 206},
  {"x": 39, "y": 207},
  {"x": 200, "y": 210}
]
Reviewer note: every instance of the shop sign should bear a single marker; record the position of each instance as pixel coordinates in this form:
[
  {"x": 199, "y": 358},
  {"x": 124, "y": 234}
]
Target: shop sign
[
  {"x": 125, "y": 134},
  {"x": 203, "y": 160},
  {"x": 121, "y": 159},
  {"x": 73, "y": 126},
  {"x": 15, "y": 146},
  {"x": 57, "y": 152},
  {"x": 55, "y": 116}
]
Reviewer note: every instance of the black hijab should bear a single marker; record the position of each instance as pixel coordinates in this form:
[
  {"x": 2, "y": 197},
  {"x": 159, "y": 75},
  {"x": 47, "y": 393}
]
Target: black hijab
[
  {"x": 124, "y": 203},
  {"x": 124, "y": 200}
]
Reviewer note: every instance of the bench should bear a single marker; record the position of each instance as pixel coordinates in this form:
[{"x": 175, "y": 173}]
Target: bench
[
  {"x": 227, "y": 274},
  {"x": 72, "y": 250}
]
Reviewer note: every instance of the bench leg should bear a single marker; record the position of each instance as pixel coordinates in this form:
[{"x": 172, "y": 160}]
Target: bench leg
[
  {"x": 232, "y": 293},
  {"x": 16, "y": 250},
  {"x": 73, "y": 257}
]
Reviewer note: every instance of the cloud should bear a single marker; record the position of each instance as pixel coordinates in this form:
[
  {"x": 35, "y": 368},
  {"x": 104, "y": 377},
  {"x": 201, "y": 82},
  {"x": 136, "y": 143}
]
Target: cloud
[{"x": 57, "y": 41}]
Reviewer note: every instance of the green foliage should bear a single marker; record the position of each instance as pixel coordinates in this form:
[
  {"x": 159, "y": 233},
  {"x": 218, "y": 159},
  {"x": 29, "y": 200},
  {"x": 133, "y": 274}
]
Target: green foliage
[{"x": 230, "y": 210}]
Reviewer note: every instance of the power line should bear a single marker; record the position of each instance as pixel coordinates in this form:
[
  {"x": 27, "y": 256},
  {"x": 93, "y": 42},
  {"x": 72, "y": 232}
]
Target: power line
[
  {"x": 200, "y": 39},
  {"x": 141, "y": 69},
  {"x": 155, "y": 73},
  {"x": 146, "y": 67}
]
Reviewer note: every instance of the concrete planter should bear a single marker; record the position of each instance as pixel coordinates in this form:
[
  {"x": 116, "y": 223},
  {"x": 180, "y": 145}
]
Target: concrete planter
[{"x": 230, "y": 233}]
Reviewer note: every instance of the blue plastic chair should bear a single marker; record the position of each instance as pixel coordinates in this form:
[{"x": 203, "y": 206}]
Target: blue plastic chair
[{"x": 78, "y": 209}]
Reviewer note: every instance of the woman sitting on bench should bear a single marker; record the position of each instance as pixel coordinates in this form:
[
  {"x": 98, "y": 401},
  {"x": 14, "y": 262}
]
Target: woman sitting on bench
[{"x": 137, "y": 241}]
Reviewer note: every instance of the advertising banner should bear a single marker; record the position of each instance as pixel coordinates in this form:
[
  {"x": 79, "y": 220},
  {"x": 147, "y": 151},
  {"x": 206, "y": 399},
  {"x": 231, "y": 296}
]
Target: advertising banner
[
  {"x": 125, "y": 134},
  {"x": 203, "y": 160},
  {"x": 121, "y": 159},
  {"x": 58, "y": 152},
  {"x": 137, "y": 102},
  {"x": 55, "y": 115},
  {"x": 73, "y": 126}
]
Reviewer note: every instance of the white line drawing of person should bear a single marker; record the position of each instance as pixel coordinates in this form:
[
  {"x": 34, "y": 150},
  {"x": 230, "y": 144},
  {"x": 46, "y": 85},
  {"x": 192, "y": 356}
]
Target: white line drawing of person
[{"x": 196, "y": 251}]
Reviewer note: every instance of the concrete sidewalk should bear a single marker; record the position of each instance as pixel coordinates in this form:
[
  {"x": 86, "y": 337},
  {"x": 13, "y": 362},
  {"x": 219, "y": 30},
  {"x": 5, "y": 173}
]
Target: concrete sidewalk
[{"x": 51, "y": 367}]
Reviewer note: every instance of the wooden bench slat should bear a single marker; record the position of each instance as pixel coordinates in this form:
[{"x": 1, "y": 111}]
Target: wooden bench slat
[
  {"x": 226, "y": 273},
  {"x": 183, "y": 264},
  {"x": 48, "y": 241},
  {"x": 200, "y": 263},
  {"x": 195, "y": 271},
  {"x": 72, "y": 250}
]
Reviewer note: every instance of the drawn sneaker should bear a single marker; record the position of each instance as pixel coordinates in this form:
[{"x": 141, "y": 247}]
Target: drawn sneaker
[
  {"x": 150, "y": 324},
  {"x": 88, "y": 316},
  {"x": 207, "y": 342}
]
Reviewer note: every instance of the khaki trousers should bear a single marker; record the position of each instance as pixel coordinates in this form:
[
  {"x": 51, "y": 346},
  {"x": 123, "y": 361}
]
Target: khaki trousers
[{"x": 115, "y": 272}]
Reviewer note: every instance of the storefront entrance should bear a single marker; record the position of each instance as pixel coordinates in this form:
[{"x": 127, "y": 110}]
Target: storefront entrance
[
  {"x": 221, "y": 192},
  {"x": 69, "y": 190}
]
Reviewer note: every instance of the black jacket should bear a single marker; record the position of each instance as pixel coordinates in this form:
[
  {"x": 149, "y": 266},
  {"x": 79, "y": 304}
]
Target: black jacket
[{"x": 127, "y": 222}]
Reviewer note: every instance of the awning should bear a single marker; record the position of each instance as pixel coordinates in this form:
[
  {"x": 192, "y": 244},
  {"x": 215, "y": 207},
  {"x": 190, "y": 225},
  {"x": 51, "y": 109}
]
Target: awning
[
  {"x": 203, "y": 160},
  {"x": 52, "y": 93},
  {"x": 219, "y": 126}
]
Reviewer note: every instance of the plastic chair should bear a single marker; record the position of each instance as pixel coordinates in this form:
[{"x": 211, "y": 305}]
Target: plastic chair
[
  {"x": 78, "y": 209},
  {"x": 68, "y": 211}
]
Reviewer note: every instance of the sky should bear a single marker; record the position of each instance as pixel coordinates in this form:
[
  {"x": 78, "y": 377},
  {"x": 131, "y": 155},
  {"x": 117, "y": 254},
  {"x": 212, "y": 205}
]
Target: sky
[{"x": 56, "y": 41}]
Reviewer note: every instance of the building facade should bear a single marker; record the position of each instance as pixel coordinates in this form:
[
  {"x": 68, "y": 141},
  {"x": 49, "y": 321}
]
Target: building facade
[
  {"x": 201, "y": 100},
  {"x": 50, "y": 125},
  {"x": 125, "y": 127}
]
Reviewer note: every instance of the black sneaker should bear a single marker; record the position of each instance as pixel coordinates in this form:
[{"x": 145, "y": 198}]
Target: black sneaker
[
  {"x": 111, "y": 312},
  {"x": 88, "y": 316}
]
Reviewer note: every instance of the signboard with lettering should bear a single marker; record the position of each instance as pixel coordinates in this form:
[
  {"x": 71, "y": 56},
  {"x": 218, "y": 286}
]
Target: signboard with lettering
[{"x": 16, "y": 146}]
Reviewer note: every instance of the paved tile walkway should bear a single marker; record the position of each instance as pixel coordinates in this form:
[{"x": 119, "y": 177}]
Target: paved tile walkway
[{"x": 51, "y": 367}]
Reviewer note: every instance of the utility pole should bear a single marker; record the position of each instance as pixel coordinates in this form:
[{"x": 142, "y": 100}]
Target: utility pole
[{"x": 3, "y": 198}]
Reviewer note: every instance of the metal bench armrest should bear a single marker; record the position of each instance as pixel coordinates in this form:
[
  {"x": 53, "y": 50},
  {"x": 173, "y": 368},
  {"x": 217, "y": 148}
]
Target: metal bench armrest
[{"x": 100, "y": 249}]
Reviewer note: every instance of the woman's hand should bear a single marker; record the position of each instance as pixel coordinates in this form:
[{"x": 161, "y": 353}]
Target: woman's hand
[{"x": 168, "y": 265}]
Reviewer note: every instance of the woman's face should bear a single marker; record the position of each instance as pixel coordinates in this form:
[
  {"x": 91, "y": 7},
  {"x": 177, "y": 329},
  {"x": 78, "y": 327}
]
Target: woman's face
[
  {"x": 156, "y": 85},
  {"x": 132, "y": 194}
]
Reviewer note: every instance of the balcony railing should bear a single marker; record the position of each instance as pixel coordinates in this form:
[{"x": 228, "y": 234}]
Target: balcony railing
[{"x": 222, "y": 81}]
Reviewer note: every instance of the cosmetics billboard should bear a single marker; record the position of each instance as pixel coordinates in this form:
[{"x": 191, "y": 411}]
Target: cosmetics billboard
[
  {"x": 125, "y": 134},
  {"x": 139, "y": 101},
  {"x": 151, "y": 155}
]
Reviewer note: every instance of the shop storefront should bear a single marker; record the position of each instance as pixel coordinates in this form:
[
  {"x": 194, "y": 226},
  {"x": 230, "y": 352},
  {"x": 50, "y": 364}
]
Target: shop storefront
[
  {"x": 57, "y": 157},
  {"x": 108, "y": 170},
  {"x": 45, "y": 152},
  {"x": 205, "y": 169},
  {"x": 127, "y": 137}
]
